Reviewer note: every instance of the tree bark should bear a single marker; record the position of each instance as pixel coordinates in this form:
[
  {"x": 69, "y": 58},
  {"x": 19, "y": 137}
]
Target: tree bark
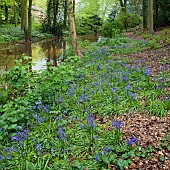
[
  {"x": 29, "y": 19},
  {"x": 15, "y": 14},
  {"x": 72, "y": 28},
  {"x": 0, "y": 15},
  {"x": 65, "y": 13},
  {"x": 144, "y": 8},
  {"x": 6, "y": 13},
  {"x": 150, "y": 16}
]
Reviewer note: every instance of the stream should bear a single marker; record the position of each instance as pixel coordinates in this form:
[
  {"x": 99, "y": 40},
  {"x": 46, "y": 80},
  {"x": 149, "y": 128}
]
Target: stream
[{"x": 49, "y": 50}]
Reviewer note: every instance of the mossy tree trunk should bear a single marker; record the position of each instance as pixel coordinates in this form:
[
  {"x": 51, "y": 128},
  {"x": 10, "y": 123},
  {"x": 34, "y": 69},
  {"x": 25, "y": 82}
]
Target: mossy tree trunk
[{"x": 72, "y": 28}]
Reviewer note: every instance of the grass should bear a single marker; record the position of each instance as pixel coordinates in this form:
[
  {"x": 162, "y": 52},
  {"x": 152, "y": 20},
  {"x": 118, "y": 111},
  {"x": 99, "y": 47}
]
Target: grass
[{"x": 65, "y": 117}]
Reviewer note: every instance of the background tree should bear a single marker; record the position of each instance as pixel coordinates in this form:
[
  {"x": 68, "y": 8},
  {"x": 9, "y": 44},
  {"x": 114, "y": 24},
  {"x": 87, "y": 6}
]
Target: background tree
[
  {"x": 145, "y": 9},
  {"x": 72, "y": 28},
  {"x": 150, "y": 16}
]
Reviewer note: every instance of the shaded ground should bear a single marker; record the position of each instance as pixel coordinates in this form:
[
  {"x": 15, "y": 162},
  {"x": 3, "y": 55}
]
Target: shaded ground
[{"x": 149, "y": 129}]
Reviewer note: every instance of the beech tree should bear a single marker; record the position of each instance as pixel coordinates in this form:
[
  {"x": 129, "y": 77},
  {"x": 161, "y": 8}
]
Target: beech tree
[{"x": 72, "y": 28}]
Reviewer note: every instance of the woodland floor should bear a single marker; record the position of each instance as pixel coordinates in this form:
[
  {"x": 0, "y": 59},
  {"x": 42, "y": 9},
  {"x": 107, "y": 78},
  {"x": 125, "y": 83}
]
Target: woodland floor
[{"x": 149, "y": 129}]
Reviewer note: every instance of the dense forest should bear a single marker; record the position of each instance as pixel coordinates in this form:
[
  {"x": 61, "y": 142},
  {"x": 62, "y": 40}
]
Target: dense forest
[{"x": 104, "y": 103}]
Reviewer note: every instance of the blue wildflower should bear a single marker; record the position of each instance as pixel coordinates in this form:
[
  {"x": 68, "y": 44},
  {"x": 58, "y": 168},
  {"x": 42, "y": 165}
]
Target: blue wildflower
[
  {"x": 97, "y": 158},
  {"x": 38, "y": 118},
  {"x": 106, "y": 150},
  {"x": 127, "y": 87},
  {"x": 117, "y": 124},
  {"x": 90, "y": 121},
  {"x": 131, "y": 140},
  {"x": 82, "y": 98},
  {"x": 146, "y": 71},
  {"x": 82, "y": 127},
  {"x": 61, "y": 134},
  {"x": 39, "y": 148}
]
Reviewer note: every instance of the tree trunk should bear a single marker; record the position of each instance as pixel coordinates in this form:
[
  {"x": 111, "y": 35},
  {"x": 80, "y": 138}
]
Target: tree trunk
[
  {"x": 0, "y": 14},
  {"x": 123, "y": 4},
  {"x": 155, "y": 23},
  {"x": 26, "y": 18},
  {"x": 29, "y": 19},
  {"x": 15, "y": 14},
  {"x": 150, "y": 16},
  {"x": 55, "y": 12},
  {"x": 144, "y": 8},
  {"x": 72, "y": 28},
  {"x": 65, "y": 13},
  {"x": 6, "y": 13},
  {"x": 22, "y": 14}
]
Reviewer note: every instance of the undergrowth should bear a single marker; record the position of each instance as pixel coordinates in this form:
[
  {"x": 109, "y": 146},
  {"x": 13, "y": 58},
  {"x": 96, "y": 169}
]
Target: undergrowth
[{"x": 53, "y": 119}]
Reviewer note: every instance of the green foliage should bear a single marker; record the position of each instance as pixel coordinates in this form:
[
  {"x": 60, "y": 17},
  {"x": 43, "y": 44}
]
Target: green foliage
[
  {"x": 88, "y": 24},
  {"x": 9, "y": 33},
  {"x": 63, "y": 116}
]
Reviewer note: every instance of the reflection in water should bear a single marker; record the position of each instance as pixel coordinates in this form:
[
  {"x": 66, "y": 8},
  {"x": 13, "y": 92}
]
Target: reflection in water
[{"x": 41, "y": 52}]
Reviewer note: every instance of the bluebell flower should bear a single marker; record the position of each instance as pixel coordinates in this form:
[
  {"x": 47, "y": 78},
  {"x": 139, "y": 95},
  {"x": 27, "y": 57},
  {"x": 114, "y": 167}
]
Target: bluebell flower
[
  {"x": 146, "y": 71},
  {"x": 38, "y": 118},
  {"x": 61, "y": 134},
  {"x": 90, "y": 121},
  {"x": 20, "y": 136},
  {"x": 59, "y": 100},
  {"x": 139, "y": 88},
  {"x": 124, "y": 77},
  {"x": 113, "y": 89},
  {"x": 133, "y": 95},
  {"x": 115, "y": 99},
  {"x": 117, "y": 124},
  {"x": 131, "y": 140},
  {"x": 82, "y": 127},
  {"x": 39, "y": 148},
  {"x": 97, "y": 158},
  {"x": 123, "y": 64},
  {"x": 106, "y": 150},
  {"x": 82, "y": 98},
  {"x": 94, "y": 137},
  {"x": 127, "y": 87}
]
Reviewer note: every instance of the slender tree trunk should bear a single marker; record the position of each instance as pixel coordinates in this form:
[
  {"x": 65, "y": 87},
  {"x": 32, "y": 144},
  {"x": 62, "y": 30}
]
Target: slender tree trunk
[
  {"x": 144, "y": 8},
  {"x": 155, "y": 22},
  {"x": 0, "y": 14},
  {"x": 72, "y": 28},
  {"x": 15, "y": 14},
  {"x": 22, "y": 14},
  {"x": 6, "y": 13},
  {"x": 49, "y": 4},
  {"x": 55, "y": 12},
  {"x": 123, "y": 4},
  {"x": 150, "y": 16},
  {"x": 65, "y": 13},
  {"x": 29, "y": 19},
  {"x": 26, "y": 18}
]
